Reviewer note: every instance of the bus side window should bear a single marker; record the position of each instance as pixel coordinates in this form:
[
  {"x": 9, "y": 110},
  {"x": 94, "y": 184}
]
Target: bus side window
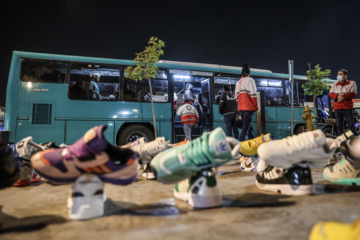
[
  {"x": 36, "y": 70},
  {"x": 273, "y": 89}
]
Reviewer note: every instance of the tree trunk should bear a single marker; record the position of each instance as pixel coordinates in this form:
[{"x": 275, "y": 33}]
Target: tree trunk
[{"x": 152, "y": 106}]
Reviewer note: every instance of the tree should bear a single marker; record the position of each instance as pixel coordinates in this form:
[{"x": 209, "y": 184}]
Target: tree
[
  {"x": 146, "y": 68},
  {"x": 316, "y": 84}
]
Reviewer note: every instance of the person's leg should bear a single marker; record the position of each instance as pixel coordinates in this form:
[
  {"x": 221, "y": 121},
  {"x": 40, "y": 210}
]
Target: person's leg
[
  {"x": 247, "y": 118},
  {"x": 234, "y": 127},
  {"x": 187, "y": 131},
  {"x": 349, "y": 118},
  {"x": 227, "y": 120},
  {"x": 339, "y": 116}
]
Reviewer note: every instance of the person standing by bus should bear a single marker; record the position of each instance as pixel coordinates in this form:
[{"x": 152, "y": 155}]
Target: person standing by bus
[
  {"x": 228, "y": 108},
  {"x": 94, "y": 91},
  {"x": 189, "y": 117},
  {"x": 245, "y": 92},
  {"x": 343, "y": 92}
]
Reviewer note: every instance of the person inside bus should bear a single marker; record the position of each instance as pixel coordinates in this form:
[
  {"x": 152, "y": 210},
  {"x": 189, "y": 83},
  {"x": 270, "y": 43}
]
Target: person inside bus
[
  {"x": 189, "y": 117},
  {"x": 343, "y": 92},
  {"x": 218, "y": 97},
  {"x": 228, "y": 108},
  {"x": 77, "y": 91},
  {"x": 94, "y": 91},
  {"x": 189, "y": 93},
  {"x": 245, "y": 92}
]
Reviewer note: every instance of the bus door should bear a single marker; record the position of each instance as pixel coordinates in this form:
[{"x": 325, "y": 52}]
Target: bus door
[{"x": 195, "y": 86}]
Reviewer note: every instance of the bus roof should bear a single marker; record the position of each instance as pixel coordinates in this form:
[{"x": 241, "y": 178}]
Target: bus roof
[{"x": 215, "y": 68}]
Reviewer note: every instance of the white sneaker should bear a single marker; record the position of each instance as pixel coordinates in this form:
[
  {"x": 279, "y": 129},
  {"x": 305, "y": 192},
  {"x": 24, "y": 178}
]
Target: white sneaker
[
  {"x": 22, "y": 151},
  {"x": 200, "y": 191},
  {"x": 148, "y": 172},
  {"x": 87, "y": 198},
  {"x": 311, "y": 146},
  {"x": 148, "y": 150},
  {"x": 134, "y": 143}
]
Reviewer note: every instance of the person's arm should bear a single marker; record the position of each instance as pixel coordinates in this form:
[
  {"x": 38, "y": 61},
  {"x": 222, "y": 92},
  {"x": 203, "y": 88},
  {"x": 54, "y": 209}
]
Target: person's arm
[
  {"x": 352, "y": 92},
  {"x": 332, "y": 94},
  {"x": 252, "y": 92}
]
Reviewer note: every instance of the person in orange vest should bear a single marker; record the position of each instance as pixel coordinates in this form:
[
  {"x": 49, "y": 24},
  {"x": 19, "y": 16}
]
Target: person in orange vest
[
  {"x": 343, "y": 92},
  {"x": 189, "y": 117},
  {"x": 245, "y": 92}
]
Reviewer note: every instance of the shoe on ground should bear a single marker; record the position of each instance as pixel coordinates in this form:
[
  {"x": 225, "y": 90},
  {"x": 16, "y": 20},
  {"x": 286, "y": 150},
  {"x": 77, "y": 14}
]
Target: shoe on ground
[
  {"x": 134, "y": 143},
  {"x": 293, "y": 181},
  {"x": 149, "y": 150},
  {"x": 344, "y": 137},
  {"x": 148, "y": 172},
  {"x": 9, "y": 167},
  {"x": 347, "y": 169},
  {"x": 343, "y": 172},
  {"x": 212, "y": 149},
  {"x": 22, "y": 152},
  {"x": 249, "y": 147},
  {"x": 311, "y": 146},
  {"x": 329, "y": 230},
  {"x": 90, "y": 154},
  {"x": 87, "y": 198},
  {"x": 200, "y": 191},
  {"x": 27, "y": 182},
  {"x": 253, "y": 164}
]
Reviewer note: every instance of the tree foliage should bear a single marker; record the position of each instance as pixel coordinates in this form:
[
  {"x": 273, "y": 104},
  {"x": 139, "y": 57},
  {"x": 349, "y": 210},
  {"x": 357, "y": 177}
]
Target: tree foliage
[
  {"x": 316, "y": 84},
  {"x": 146, "y": 60}
]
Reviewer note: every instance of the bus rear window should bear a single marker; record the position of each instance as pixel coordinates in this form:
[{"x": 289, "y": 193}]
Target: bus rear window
[{"x": 35, "y": 70}]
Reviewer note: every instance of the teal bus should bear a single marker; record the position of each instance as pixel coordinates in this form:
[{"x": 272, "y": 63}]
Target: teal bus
[{"x": 49, "y": 98}]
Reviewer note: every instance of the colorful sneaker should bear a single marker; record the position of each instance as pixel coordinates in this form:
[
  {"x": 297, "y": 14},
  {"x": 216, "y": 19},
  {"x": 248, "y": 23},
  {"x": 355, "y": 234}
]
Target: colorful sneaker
[
  {"x": 90, "y": 154},
  {"x": 334, "y": 159},
  {"x": 148, "y": 150},
  {"x": 249, "y": 147},
  {"x": 200, "y": 191},
  {"x": 347, "y": 170},
  {"x": 343, "y": 172},
  {"x": 9, "y": 167},
  {"x": 148, "y": 172},
  {"x": 311, "y": 146},
  {"x": 87, "y": 198},
  {"x": 212, "y": 149},
  {"x": 22, "y": 152},
  {"x": 293, "y": 181},
  {"x": 330, "y": 230}
]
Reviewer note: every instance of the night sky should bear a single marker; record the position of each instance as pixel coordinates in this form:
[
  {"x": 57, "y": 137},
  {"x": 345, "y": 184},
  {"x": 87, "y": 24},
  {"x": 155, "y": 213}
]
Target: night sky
[{"x": 264, "y": 34}]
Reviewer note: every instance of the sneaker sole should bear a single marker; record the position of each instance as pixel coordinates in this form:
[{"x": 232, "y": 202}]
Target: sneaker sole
[
  {"x": 149, "y": 176},
  {"x": 287, "y": 189},
  {"x": 199, "y": 201},
  {"x": 344, "y": 181}
]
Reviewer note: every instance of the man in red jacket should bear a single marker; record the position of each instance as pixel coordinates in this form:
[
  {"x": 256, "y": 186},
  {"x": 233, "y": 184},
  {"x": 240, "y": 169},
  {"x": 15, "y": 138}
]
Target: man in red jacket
[
  {"x": 245, "y": 92},
  {"x": 343, "y": 92}
]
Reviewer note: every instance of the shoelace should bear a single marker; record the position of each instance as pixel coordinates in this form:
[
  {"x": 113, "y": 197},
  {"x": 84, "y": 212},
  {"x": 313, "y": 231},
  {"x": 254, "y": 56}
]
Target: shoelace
[{"x": 300, "y": 143}]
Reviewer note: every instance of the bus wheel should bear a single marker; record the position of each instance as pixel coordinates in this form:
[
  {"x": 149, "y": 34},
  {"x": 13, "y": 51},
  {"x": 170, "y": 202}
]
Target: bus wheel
[
  {"x": 132, "y": 132},
  {"x": 300, "y": 128}
]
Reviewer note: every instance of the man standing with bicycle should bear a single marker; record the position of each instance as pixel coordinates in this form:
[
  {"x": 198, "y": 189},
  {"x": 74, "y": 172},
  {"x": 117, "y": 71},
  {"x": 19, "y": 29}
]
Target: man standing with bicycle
[{"x": 343, "y": 92}]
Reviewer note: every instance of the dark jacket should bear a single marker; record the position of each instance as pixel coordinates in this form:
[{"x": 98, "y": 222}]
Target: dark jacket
[{"x": 228, "y": 103}]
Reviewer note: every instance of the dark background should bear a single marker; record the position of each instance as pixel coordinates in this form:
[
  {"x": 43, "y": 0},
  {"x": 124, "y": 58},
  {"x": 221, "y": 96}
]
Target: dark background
[{"x": 264, "y": 34}]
